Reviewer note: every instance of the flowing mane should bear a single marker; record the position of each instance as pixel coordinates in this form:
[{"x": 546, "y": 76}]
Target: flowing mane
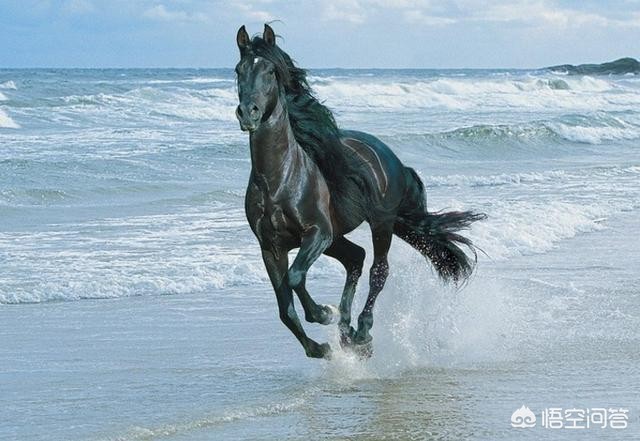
[
  {"x": 349, "y": 177},
  {"x": 313, "y": 124}
]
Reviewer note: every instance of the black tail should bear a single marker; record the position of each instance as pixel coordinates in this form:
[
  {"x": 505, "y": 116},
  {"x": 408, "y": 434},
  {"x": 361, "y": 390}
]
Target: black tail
[{"x": 436, "y": 235}]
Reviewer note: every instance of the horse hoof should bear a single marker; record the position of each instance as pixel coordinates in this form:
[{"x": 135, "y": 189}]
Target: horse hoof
[
  {"x": 346, "y": 336},
  {"x": 332, "y": 314},
  {"x": 363, "y": 350},
  {"x": 320, "y": 351}
]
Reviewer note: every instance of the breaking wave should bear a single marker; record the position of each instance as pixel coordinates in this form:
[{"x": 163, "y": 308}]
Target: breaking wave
[
  {"x": 204, "y": 252},
  {"x": 529, "y": 92},
  {"x": 8, "y": 85},
  {"x": 188, "y": 104},
  {"x": 6, "y": 122},
  {"x": 588, "y": 129}
]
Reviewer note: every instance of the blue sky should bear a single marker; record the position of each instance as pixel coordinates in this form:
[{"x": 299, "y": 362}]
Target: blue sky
[{"x": 329, "y": 33}]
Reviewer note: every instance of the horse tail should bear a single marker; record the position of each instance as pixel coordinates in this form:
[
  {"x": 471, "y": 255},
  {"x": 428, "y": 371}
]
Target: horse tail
[{"x": 436, "y": 235}]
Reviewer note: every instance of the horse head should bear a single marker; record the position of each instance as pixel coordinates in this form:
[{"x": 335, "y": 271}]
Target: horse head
[{"x": 258, "y": 88}]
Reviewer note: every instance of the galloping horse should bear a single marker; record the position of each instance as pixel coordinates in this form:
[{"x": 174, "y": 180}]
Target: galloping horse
[{"x": 311, "y": 183}]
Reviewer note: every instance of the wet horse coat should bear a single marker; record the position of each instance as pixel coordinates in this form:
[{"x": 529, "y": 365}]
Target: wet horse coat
[{"x": 311, "y": 183}]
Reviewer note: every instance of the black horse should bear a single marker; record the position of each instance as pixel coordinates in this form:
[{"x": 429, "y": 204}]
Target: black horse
[{"x": 311, "y": 183}]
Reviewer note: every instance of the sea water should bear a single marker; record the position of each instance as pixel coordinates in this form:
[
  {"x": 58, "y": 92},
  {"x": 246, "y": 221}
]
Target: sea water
[{"x": 134, "y": 304}]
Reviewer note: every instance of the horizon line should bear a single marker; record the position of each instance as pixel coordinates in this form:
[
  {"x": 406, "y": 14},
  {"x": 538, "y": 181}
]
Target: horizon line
[{"x": 231, "y": 68}]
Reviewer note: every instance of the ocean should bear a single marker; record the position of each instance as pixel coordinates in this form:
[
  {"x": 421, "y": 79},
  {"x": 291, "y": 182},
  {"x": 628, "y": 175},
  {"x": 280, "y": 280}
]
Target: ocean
[{"x": 134, "y": 304}]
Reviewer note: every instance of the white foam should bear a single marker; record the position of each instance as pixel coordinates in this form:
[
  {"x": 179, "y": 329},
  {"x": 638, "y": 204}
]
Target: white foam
[
  {"x": 6, "y": 122},
  {"x": 420, "y": 323},
  {"x": 146, "y": 255},
  {"x": 594, "y": 134},
  {"x": 180, "y": 428},
  {"x": 197, "y": 80},
  {"x": 196, "y": 105},
  {"x": 8, "y": 85},
  {"x": 549, "y": 179},
  {"x": 3, "y": 97},
  {"x": 528, "y": 92},
  {"x": 496, "y": 180},
  {"x": 516, "y": 228}
]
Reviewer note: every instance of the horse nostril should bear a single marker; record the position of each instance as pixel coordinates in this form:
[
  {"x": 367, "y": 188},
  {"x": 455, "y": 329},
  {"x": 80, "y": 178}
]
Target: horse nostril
[
  {"x": 254, "y": 111},
  {"x": 239, "y": 111}
]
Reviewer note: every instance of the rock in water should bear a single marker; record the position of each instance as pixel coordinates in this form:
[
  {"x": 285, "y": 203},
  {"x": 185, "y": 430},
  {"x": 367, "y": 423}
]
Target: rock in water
[{"x": 618, "y": 67}]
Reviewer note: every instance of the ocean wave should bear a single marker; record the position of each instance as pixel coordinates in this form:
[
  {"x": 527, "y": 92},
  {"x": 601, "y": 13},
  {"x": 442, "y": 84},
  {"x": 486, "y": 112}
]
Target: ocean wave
[
  {"x": 135, "y": 256},
  {"x": 584, "y": 93},
  {"x": 591, "y": 129},
  {"x": 594, "y": 134},
  {"x": 195, "y": 105},
  {"x": 519, "y": 228},
  {"x": 174, "y": 99},
  {"x": 200, "y": 252},
  {"x": 6, "y": 122},
  {"x": 180, "y": 428},
  {"x": 8, "y": 85},
  {"x": 197, "y": 80},
  {"x": 495, "y": 180},
  {"x": 32, "y": 196},
  {"x": 3, "y": 97},
  {"x": 550, "y": 178}
]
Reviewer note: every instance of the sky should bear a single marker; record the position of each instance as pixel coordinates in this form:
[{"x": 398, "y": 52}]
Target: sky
[{"x": 319, "y": 33}]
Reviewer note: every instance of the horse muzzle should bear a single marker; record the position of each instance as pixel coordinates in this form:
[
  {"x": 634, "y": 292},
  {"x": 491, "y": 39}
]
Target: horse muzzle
[{"x": 249, "y": 117}]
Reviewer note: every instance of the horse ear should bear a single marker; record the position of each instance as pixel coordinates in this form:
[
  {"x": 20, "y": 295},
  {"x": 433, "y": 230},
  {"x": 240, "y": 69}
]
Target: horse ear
[
  {"x": 243, "y": 40},
  {"x": 268, "y": 35}
]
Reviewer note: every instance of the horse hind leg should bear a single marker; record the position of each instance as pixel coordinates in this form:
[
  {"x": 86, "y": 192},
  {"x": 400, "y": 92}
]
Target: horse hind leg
[
  {"x": 382, "y": 236},
  {"x": 351, "y": 256}
]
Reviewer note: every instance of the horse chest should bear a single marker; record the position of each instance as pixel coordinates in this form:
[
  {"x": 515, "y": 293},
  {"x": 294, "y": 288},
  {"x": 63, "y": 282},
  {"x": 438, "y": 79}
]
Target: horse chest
[{"x": 268, "y": 219}]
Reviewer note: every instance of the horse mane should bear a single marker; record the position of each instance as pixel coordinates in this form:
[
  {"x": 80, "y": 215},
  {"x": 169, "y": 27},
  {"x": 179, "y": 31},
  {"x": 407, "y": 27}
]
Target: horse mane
[{"x": 313, "y": 124}]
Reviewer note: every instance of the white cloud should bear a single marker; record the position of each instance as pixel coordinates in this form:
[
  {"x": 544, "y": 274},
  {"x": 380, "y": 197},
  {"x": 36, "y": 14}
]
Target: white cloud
[
  {"x": 418, "y": 16},
  {"x": 161, "y": 13},
  {"x": 534, "y": 13},
  {"x": 531, "y": 13},
  {"x": 253, "y": 14},
  {"x": 78, "y": 6},
  {"x": 344, "y": 10}
]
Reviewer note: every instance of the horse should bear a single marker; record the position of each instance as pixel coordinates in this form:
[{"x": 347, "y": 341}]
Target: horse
[{"x": 311, "y": 183}]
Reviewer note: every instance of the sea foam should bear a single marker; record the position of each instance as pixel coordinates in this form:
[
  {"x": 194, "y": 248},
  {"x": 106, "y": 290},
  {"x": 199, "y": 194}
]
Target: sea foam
[
  {"x": 8, "y": 85},
  {"x": 526, "y": 92},
  {"x": 6, "y": 122}
]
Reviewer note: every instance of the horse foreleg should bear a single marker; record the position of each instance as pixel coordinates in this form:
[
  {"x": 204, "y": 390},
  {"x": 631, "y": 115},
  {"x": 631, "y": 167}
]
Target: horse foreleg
[
  {"x": 351, "y": 256},
  {"x": 314, "y": 242},
  {"x": 276, "y": 266},
  {"x": 314, "y": 313}
]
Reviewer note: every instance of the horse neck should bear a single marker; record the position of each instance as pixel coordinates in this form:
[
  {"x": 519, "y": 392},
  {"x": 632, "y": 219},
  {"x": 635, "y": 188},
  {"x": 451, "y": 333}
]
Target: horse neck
[{"x": 274, "y": 149}]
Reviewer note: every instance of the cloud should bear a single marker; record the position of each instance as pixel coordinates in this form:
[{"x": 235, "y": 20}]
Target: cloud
[
  {"x": 418, "y": 16},
  {"x": 528, "y": 13},
  {"x": 78, "y": 6},
  {"x": 535, "y": 13},
  {"x": 161, "y": 13},
  {"x": 344, "y": 10},
  {"x": 253, "y": 14}
]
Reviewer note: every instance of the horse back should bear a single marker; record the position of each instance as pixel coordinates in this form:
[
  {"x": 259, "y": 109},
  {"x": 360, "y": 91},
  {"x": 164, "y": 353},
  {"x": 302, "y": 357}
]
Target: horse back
[{"x": 378, "y": 165}]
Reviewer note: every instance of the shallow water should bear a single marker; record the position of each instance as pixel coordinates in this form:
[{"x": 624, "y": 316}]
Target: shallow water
[{"x": 133, "y": 304}]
